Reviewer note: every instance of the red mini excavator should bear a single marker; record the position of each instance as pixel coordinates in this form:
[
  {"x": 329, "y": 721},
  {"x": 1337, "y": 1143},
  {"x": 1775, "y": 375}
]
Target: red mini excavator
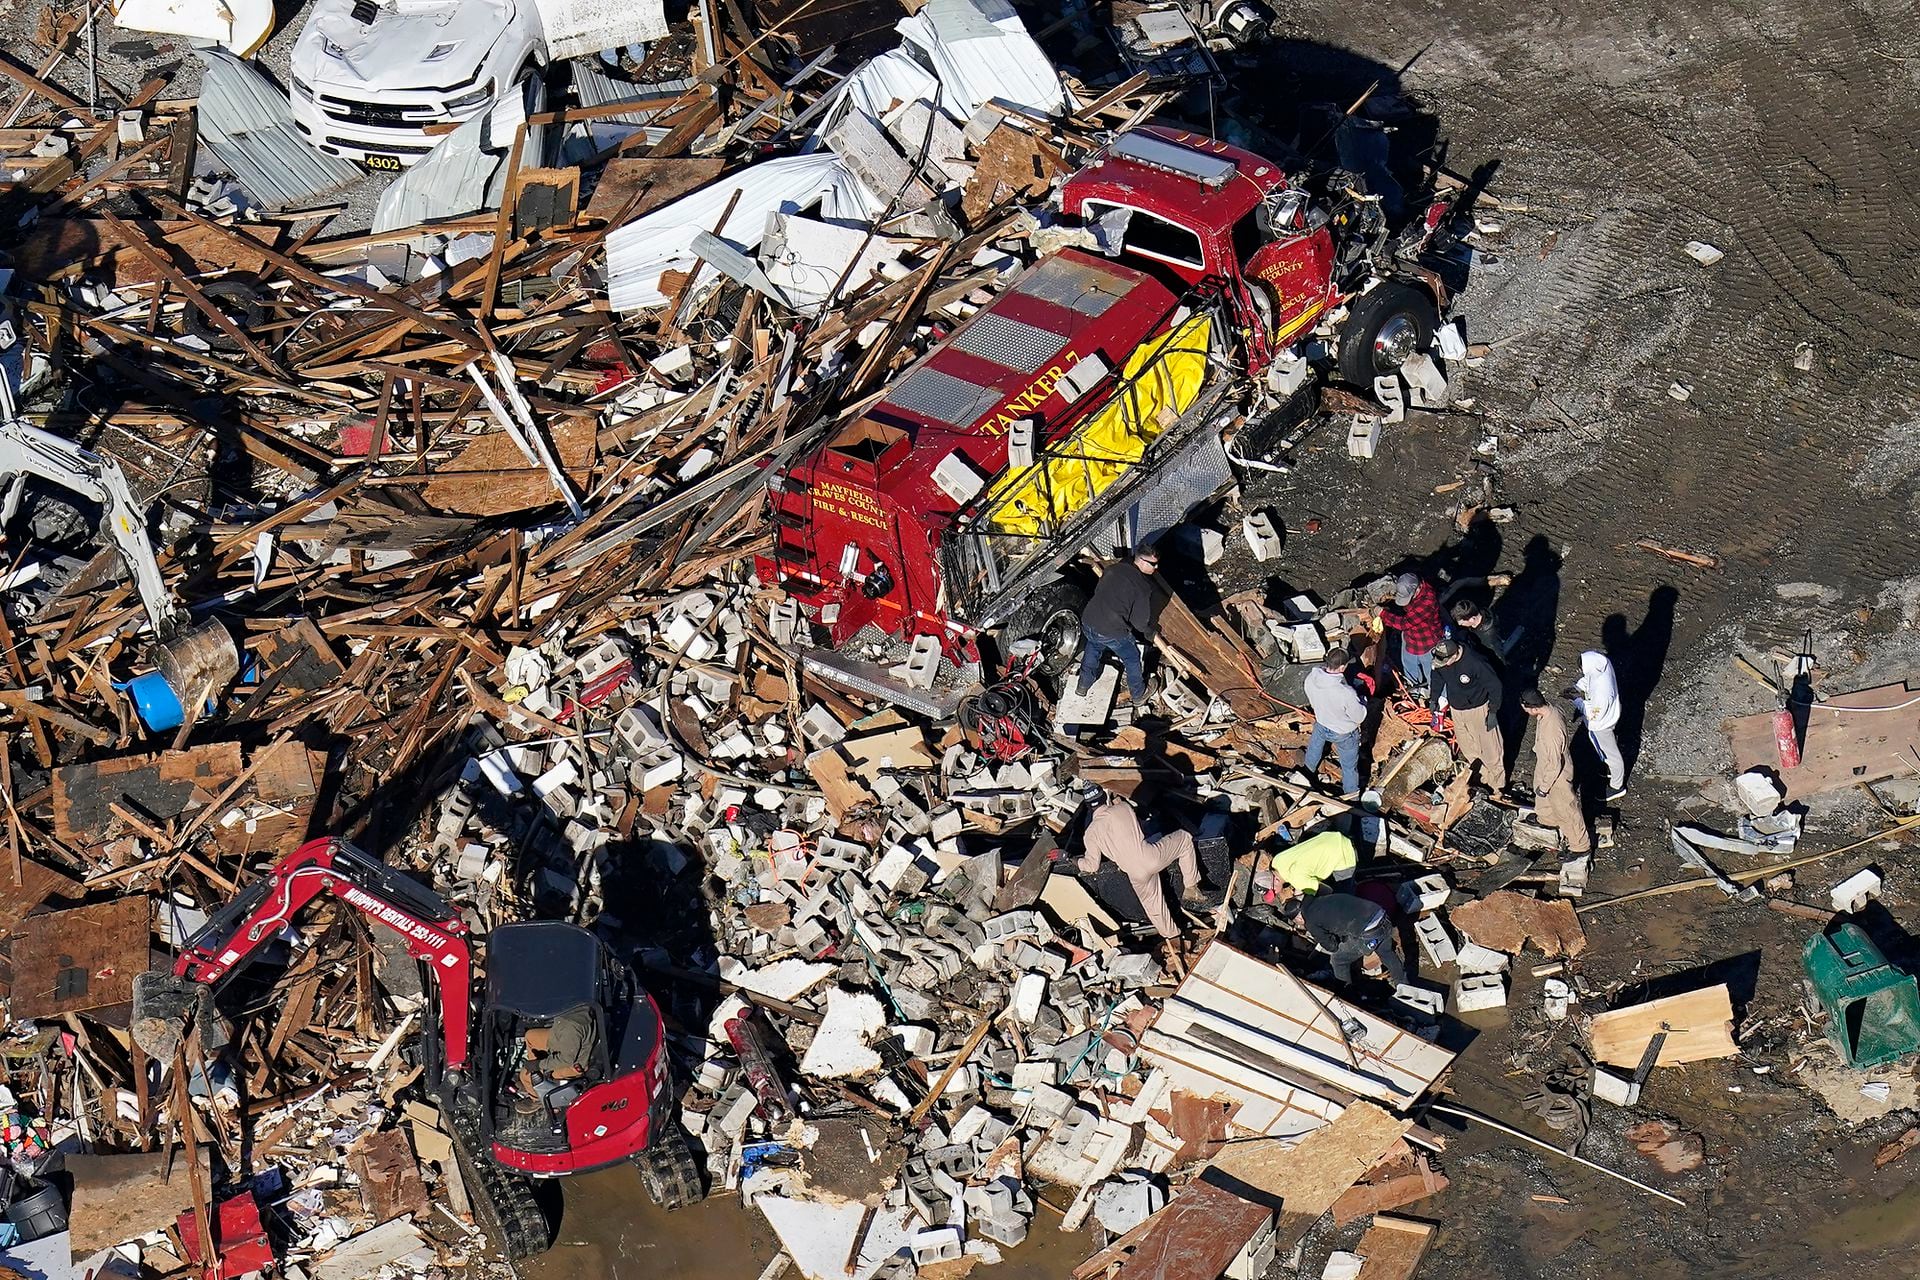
[{"x": 564, "y": 1069}]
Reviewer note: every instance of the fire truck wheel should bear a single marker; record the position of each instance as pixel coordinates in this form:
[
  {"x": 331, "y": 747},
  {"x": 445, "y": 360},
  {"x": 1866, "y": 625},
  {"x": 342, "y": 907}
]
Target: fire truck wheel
[
  {"x": 1053, "y": 618},
  {"x": 1385, "y": 326}
]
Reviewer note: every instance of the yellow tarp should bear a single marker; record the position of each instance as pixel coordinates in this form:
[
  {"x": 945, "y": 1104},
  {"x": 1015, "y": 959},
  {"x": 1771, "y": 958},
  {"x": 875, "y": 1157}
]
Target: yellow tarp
[{"x": 1161, "y": 379}]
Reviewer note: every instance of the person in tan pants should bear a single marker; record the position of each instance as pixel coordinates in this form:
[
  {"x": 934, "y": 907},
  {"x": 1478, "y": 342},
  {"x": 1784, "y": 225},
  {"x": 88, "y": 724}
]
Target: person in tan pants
[
  {"x": 1468, "y": 686},
  {"x": 1555, "y": 803},
  {"x": 1114, "y": 833}
]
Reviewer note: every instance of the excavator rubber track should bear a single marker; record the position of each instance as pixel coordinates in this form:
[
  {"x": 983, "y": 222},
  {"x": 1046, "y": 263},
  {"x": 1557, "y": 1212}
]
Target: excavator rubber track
[
  {"x": 668, "y": 1171},
  {"x": 502, "y": 1200}
]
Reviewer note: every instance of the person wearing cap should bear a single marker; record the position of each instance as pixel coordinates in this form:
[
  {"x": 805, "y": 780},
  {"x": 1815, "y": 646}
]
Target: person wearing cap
[
  {"x": 1466, "y": 684},
  {"x": 1555, "y": 803},
  {"x": 1349, "y": 928},
  {"x": 1114, "y": 833},
  {"x": 1118, "y": 620},
  {"x": 1598, "y": 703},
  {"x": 1415, "y": 614},
  {"x": 1338, "y": 713}
]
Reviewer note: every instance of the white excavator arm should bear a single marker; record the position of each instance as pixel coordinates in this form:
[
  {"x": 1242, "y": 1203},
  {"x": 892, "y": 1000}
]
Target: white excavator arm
[
  {"x": 27, "y": 451},
  {"x": 197, "y": 661}
]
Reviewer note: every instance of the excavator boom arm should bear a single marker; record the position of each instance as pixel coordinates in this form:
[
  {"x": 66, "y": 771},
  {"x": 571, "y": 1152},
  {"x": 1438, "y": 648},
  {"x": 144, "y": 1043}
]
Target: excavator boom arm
[{"x": 432, "y": 930}]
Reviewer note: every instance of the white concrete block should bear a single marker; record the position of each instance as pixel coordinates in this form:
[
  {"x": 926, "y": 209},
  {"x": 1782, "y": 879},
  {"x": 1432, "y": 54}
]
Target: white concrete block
[
  {"x": 1028, "y": 995},
  {"x": 1262, "y": 534},
  {"x": 1851, "y": 894},
  {"x": 1614, "y": 1089},
  {"x": 1424, "y": 893},
  {"x": 1386, "y": 390},
  {"x": 1479, "y": 991},
  {"x": 1474, "y": 958},
  {"x": 1435, "y": 943},
  {"x": 1363, "y": 437}
]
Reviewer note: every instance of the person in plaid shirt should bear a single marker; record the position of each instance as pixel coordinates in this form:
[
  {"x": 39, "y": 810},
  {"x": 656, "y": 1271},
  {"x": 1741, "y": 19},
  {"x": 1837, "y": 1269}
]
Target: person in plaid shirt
[{"x": 1415, "y": 614}]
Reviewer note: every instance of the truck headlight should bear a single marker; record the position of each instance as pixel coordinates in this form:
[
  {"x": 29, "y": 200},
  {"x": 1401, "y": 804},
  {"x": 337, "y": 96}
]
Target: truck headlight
[
  {"x": 478, "y": 98},
  {"x": 300, "y": 86}
]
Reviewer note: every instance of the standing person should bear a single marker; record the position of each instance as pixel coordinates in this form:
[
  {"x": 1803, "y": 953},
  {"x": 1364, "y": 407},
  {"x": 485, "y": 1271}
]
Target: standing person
[
  {"x": 1597, "y": 699},
  {"x": 1350, "y": 928},
  {"x": 1415, "y": 614},
  {"x": 1465, "y": 604},
  {"x": 1114, "y": 833},
  {"x": 1555, "y": 803},
  {"x": 1467, "y": 685},
  {"x": 1118, "y": 619},
  {"x": 1338, "y": 713}
]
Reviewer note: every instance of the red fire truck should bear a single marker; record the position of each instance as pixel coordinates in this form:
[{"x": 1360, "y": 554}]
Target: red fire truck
[{"x": 1084, "y": 408}]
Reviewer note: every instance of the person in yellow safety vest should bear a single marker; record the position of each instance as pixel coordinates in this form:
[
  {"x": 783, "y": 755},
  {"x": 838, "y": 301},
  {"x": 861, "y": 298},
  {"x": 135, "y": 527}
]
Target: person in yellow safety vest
[{"x": 1304, "y": 867}]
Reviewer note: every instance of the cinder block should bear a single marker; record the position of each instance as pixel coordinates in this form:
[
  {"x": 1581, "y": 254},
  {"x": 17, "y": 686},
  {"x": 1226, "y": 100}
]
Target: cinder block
[
  {"x": 936, "y": 1244},
  {"x": 1435, "y": 944},
  {"x": 1134, "y": 970},
  {"x": 1426, "y": 385},
  {"x": 1573, "y": 876},
  {"x": 1263, "y": 535},
  {"x": 1851, "y": 894},
  {"x": 1386, "y": 390},
  {"x": 1474, "y": 958},
  {"x": 1028, "y": 1074},
  {"x": 1614, "y": 1089},
  {"x": 1028, "y": 995},
  {"x": 1363, "y": 437},
  {"x": 1425, "y": 893},
  {"x": 1479, "y": 991},
  {"x": 1307, "y": 643},
  {"x": 1420, "y": 1000}
]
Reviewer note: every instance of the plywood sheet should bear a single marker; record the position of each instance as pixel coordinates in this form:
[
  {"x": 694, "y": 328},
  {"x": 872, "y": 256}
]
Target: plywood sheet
[
  {"x": 86, "y": 958},
  {"x": 1393, "y": 1248},
  {"x": 491, "y": 477},
  {"x": 159, "y": 786},
  {"x": 117, "y": 1197},
  {"x": 37, "y": 884},
  {"x": 1699, "y": 1025},
  {"x": 1878, "y": 743},
  {"x": 1314, "y": 1172}
]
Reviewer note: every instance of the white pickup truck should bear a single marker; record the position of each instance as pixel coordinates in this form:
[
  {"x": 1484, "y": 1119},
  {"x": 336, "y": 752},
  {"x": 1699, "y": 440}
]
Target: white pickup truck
[{"x": 369, "y": 77}]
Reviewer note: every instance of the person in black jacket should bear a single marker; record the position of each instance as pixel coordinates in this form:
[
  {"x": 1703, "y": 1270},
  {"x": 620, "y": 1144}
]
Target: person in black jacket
[
  {"x": 1350, "y": 928},
  {"x": 1466, "y": 684},
  {"x": 1118, "y": 619}
]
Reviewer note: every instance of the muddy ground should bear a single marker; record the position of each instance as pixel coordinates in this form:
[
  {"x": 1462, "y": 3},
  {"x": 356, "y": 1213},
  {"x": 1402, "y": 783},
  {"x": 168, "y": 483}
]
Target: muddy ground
[
  {"x": 1613, "y": 135},
  {"x": 1616, "y": 135}
]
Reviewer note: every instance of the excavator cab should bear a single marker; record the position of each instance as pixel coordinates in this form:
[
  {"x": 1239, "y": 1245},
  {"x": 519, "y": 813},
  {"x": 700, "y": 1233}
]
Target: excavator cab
[{"x": 573, "y": 1062}]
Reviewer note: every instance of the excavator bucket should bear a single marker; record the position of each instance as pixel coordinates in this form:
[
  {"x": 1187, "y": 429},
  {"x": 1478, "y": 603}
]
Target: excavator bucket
[
  {"x": 162, "y": 1004},
  {"x": 198, "y": 662}
]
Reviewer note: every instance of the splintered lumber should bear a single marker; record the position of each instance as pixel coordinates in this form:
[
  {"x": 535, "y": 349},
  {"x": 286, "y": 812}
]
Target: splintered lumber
[
  {"x": 1222, "y": 662},
  {"x": 1393, "y": 1248},
  {"x": 1392, "y": 1193},
  {"x": 1699, "y": 1025}
]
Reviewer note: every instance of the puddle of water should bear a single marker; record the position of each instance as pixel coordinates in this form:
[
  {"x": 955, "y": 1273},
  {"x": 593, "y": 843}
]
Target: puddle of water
[
  {"x": 1868, "y": 1228},
  {"x": 612, "y": 1231}
]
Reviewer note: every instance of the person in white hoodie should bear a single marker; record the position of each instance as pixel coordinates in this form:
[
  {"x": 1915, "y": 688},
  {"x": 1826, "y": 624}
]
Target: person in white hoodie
[{"x": 1597, "y": 699}]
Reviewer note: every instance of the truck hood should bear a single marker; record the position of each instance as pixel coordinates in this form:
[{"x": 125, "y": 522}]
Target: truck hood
[{"x": 395, "y": 49}]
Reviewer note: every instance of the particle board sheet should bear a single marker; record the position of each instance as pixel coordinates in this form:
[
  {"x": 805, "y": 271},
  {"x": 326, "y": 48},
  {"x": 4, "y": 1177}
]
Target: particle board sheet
[
  {"x": 1393, "y": 1248},
  {"x": 1851, "y": 738},
  {"x": 118, "y": 1197},
  {"x": 1308, "y": 1176},
  {"x": 1253, "y": 1031},
  {"x": 86, "y": 958},
  {"x": 1699, "y": 1025}
]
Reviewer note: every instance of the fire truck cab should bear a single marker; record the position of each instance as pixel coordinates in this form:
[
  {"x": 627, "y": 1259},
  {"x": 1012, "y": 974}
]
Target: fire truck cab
[{"x": 1082, "y": 409}]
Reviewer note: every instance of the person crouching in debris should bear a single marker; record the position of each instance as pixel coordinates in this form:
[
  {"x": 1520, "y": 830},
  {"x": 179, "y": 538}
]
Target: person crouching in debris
[
  {"x": 1118, "y": 620},
  {"x": 1338, "y": 713},
  {"x": 1555, "y": 803},
  {"x": 1349, "y": 928},
  {"x": 1466, "y": 685},
  {"x": 1114, "y": 833},
  {"x": 1303, "y": 868},
  {"x": 1415, "y": 614}
]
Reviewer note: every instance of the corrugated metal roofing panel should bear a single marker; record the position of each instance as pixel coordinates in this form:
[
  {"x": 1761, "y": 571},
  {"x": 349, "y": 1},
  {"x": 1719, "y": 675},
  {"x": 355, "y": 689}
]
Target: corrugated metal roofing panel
[
  {"x": 466, "y": 170},
  {"x": 246, "y": 122}
]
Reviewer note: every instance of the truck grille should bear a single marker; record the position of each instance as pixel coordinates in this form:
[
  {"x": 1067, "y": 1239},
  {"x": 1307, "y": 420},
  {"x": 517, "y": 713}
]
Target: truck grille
[
  {"x": 943, "y": 397},
  {"x": 1067, "y": 282},
  {"x": 374, "y": 115},
  {"x": 1006, "y": 341}
]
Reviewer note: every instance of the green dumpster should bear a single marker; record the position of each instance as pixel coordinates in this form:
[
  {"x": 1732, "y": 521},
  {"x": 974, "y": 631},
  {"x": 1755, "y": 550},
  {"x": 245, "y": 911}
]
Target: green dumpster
[{"x": 1873, "y": 1009}]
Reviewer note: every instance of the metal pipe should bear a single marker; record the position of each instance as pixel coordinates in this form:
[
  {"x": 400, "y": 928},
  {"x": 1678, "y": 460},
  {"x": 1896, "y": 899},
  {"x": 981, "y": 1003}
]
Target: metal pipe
[{"x": 1491, "y": 1123}]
